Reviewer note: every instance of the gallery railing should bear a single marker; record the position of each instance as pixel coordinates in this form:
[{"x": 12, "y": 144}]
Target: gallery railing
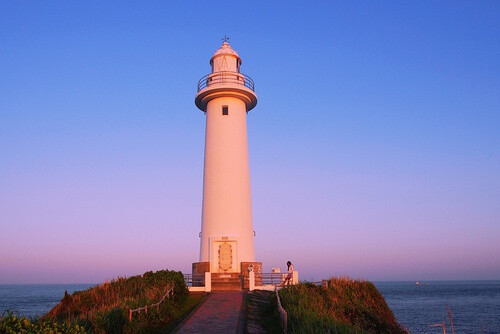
[{"x": 226, "y": 77}]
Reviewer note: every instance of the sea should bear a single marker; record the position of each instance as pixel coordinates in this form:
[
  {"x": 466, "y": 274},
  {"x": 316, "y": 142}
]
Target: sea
[
  {"x": 474, "y": 305},
  {"x": 34, "y": 300}
]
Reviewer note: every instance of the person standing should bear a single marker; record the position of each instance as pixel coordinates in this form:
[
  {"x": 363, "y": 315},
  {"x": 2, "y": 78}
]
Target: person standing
[{"x": 289, "y": 276}]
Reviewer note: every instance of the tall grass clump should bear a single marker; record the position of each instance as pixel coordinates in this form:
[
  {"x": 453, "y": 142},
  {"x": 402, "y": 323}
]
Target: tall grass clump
[
  {"x": 346, "y": 306},
  {"x": 104, "y": 308}
]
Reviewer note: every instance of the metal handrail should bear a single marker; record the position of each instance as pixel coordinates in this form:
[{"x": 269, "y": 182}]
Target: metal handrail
[
  {"x": 226, "y": 77},
  {"x": 194, "y": 280},
  {"x": 271, "y": 278}
]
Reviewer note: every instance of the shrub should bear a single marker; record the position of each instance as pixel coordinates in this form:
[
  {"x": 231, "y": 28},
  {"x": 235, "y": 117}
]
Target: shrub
[{"x": 12, "y": 324}]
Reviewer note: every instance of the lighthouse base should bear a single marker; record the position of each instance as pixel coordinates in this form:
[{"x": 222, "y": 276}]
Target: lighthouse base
[
  {"x": 229, "y": 280},
  {"x": 200, "y": 268}
]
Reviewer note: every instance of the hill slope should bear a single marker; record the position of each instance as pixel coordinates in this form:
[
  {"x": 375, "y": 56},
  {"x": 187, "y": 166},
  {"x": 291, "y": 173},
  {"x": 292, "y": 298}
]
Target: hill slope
[
  {"x": 106, "y": 306},
  {"x": 346, "y": 306}
]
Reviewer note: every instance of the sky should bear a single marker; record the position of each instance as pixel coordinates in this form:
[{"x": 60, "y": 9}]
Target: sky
[{"x": 374, "y": 147}]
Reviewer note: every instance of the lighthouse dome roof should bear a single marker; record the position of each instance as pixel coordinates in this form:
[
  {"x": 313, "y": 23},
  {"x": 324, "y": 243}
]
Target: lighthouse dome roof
[{"x": 225, "y": 49}]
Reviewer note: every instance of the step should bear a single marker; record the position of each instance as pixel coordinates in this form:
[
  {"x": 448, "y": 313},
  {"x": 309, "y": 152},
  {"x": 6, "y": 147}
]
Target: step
[{"x": 226, "y": 281}]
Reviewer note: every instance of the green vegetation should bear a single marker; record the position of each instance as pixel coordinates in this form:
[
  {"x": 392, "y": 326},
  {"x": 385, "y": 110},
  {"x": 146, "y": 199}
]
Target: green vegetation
[
  {"x": 346, "y": 306},
  {"x": 12, "y": 324},
  {"x": 105, "y": 308}
]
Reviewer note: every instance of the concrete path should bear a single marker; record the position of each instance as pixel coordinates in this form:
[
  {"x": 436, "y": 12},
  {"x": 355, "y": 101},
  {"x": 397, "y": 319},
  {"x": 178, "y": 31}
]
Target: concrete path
[{"x": 222, "y": 312}]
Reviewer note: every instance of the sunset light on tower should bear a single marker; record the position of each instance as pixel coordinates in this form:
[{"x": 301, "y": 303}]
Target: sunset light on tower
[{"x": 227, "y": 236}]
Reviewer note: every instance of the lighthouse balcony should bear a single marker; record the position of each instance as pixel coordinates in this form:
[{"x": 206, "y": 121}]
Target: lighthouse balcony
[
  {"x": 226, "y": 78},
  {"x": 226, "y": 84}
]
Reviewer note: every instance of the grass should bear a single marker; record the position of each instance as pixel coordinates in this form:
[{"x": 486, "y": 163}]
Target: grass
[
  {"x": 104, "y": 308},
  {"x": 347, "y": 306}
]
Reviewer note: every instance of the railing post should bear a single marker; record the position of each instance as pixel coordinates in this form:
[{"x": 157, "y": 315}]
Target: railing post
[
  {"x": 251, "y": 281},
  {"x": 129, "y": 314},
  {"x": 295, "y": 277},
  {"x": 208, "y": 282}
]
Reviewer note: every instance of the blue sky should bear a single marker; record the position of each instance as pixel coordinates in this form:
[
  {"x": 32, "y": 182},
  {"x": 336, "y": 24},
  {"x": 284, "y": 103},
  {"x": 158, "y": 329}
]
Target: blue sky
[{"x": 374, "y": 147}]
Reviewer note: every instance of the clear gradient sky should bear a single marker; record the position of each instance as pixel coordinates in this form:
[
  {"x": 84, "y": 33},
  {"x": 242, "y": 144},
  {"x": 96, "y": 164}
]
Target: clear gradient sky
[{"x": 374, "y": 147}]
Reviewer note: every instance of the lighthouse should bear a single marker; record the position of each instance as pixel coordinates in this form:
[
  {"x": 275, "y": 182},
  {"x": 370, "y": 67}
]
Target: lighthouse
[{"x": 227, "y": 236}]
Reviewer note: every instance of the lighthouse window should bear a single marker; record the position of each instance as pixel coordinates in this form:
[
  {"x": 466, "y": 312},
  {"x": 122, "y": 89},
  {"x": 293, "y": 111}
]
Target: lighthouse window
[{"x": 225, "y": 110}]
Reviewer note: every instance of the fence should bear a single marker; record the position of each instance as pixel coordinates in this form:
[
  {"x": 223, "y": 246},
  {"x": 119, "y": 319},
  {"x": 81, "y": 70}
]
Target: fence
[
  {"x": 322, "y": 283},
  {"x": 261, "y": 281},
  {"x": 282, "y": 312},
  {"x": 194, "y": 280},
  {"x": 272, "y": 278},
  {"x": 170, "y": 292}
]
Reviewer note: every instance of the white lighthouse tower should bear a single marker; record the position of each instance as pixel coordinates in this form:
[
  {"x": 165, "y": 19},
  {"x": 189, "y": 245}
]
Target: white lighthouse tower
[{"x": 227, "y": 236}]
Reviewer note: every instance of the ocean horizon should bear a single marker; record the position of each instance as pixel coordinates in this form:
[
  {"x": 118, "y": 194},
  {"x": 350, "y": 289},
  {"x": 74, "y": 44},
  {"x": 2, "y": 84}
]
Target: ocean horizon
[{"x": 475, "y": 304}]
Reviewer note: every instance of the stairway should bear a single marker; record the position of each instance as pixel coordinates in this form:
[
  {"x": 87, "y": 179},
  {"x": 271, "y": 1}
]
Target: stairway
[{"x": 226, "y": 281}]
